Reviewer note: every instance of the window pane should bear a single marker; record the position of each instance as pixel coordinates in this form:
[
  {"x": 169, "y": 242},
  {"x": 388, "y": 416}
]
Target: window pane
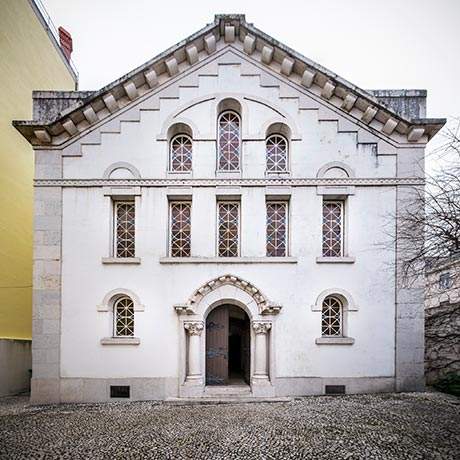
[
  {"x": 124, "y": 229},
  {"x": 229, "y": 142},
  {"x": 332, "y": 229},
  {"x": 124, "y": 317},
  {"x": 180, "y": 229},
  {"x": 276, "y": 150},
  {"x": 331, "y": 318},
  {"x": 228, "y": 223},
  {"x": 276, "y": 229},
  {"x": 181, "y": 153}
]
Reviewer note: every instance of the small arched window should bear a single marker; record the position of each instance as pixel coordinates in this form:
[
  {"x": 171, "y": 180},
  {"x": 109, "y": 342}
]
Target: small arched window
[
  {"x": 181, "y": 153},
  {"x": 276, "y": 148},
  {"x": 229, "y": 141},
  {"x": 331, "y": 318},
  {"x": 123, "y": 313}
]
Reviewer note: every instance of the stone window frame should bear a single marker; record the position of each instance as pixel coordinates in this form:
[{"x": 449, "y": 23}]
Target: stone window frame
[
  {"x": 286, "y": 153},
  {"x": 171, "y": 153},
  {"x": 348, "y": 305},
  {"x": 108, "y": 306},
  {"x": 228, "y": 200},
  {"x": 119, "y": 194},
  {"x": 171, "y": 203},
  {"x": 115, "y": 230},
  {"x": 240, "y": 145},
  {"x": 284, "y": 202}
]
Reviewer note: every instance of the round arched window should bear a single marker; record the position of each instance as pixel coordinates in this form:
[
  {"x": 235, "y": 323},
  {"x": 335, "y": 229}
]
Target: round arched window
[
  {"x": 229, "y": 142},
  {"x": 123, "y": 310},
  {"x": 181, "y": 153},
  {"x": 331, "y": 318},
  {"x": 276, "y": 152}
]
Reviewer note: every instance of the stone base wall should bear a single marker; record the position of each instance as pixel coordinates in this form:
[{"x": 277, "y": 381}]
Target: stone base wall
[
  {"x": 442, "y": 333},
  {"x": 305, "y": 386},
  {"x": 15, "y": 365},
  {"x": 87, "y": 390}
]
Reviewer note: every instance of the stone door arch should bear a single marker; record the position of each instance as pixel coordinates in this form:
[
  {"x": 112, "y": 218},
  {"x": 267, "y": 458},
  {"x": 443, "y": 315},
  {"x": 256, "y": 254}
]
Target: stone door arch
[{"x": 233, "y": 290}]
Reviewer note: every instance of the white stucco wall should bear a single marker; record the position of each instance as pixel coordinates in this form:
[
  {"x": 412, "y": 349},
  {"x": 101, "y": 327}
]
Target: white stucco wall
[{"x": 86, "y": 239}]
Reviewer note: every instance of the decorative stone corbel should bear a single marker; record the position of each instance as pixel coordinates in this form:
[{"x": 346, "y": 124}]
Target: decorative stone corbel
[
  {"x": 130, "y": 89},
  {"x": 151, "y": 78},
  {"x": 229, "y": 33},
  {"x": 192, "y": 54},
  {"x": 90, "y": 114},
  {"x": 415, "y": 134},
  {"x": 267, "y": 54},
  {"x": 307, "y": 78},
  {"x": 349, "y": 102},
  {"x": 389, "y": 126},
  {"x": 369, "y": 114},
  {"x": 270, "y": 309},
  {"x": 110, "y": 102},
  {"x": 249, "y": 44},
  {"x": 43, "y": 136},
  {"x": 328, "y": 90},
  {"x": 210, "y": 43},
  {"x": 69, "y": 126},
  {"x": 287, "y": 65},
  {"x": 184, "y": 309},
  {"x": 171, "y": 65}
]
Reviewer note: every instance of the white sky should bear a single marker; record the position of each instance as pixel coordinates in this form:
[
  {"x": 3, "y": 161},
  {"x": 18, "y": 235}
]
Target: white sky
[{"x": 374, "y": 44}]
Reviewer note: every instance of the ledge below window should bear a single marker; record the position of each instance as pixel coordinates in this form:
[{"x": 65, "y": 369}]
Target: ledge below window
[
  {"x": 335, "y": 260},
  {"x": 121, "y": 260},
  {"x": 120, "y": 341},
  {"x": 334, "y": 341},
  {"x": 228, "y": 260}
]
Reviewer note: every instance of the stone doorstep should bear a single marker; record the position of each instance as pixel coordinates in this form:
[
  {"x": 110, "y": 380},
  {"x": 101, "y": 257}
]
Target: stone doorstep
[
  {"x": 227, "y": 390},
  {"x": 225, "y": 400}
]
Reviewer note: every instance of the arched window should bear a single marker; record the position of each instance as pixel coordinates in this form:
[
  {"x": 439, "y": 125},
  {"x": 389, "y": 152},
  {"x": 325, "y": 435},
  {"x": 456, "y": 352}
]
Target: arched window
[
  {"x": 229, "y": 141},
  {"x": 331, "y": 318},
  {"x": 181, "y": 153},
  {"x": 123, "y": 313},
  {"x": 276, "y": 148}
]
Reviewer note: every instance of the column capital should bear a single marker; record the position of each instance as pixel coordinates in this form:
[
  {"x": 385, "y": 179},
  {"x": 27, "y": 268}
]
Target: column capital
[
  {"x": 261, "y": 327},
  {"x": 194, "y": 327}
]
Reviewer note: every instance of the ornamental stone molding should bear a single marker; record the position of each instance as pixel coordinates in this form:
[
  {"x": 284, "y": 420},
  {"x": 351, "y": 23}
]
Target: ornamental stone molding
[
  {"x": 261, "y": 327},
  {"x": 382, "y": 181},
  {"x": 194, "y": 327},
  {"x": 227, "y": 31},
  {"x": 264, "y": 306}
]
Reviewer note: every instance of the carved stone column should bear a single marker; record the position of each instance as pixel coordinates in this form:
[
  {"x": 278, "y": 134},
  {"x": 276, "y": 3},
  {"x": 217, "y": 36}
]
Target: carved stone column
[
  {"x": 261, "y": 350},
  {"x": 194, "y": 329}
]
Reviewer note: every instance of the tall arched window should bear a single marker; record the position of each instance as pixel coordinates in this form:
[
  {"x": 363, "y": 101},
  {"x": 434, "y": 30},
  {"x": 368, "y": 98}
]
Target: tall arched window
[
  {"x": 229, "y": 141},
  {"x": 276, "y": 148},
  {"x": 123, "y": 313},
  {"x": 331, "y": 318},
  {"x": 181, "y": 153}
]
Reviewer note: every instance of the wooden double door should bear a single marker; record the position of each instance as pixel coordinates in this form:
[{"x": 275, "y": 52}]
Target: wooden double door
[{"x": 227, "y": 346}]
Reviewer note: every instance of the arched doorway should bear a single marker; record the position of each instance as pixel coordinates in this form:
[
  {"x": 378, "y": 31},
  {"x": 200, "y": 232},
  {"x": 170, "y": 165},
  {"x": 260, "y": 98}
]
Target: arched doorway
[{"x": 227, "y": 346}]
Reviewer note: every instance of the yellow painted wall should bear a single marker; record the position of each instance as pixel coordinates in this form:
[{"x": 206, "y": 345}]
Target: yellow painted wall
[{"x": 28, "y": 61}]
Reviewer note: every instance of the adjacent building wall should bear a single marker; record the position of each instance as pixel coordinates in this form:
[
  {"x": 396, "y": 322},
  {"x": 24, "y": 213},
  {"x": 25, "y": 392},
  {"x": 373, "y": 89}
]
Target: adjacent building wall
[{"x": 29, "y": 60}]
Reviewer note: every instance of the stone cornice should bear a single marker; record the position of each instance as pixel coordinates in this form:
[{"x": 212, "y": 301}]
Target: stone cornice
[
  {"x": 313, "y": 182},
  {"x": 263, "y": 49}
]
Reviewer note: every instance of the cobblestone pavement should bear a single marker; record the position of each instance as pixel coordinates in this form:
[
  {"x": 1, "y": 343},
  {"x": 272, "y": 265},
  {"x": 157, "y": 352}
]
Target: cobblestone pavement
[{"x": 396, "y": 426}]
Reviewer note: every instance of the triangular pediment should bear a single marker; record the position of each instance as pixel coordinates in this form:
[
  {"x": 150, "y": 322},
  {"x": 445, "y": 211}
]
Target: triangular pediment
[{"x": 229, "y": 37}]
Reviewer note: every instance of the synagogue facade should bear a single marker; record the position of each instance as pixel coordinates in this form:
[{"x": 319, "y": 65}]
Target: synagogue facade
[{"x": 219, "y": 219}]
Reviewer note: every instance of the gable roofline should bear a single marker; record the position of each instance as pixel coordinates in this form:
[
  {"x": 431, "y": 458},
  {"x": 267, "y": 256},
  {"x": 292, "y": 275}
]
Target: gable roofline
[{"x": 87, "y": 108}]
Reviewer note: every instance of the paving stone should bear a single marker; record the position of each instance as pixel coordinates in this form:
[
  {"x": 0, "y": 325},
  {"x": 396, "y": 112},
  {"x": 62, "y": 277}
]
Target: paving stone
[{"x": 383, "y": 426}]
